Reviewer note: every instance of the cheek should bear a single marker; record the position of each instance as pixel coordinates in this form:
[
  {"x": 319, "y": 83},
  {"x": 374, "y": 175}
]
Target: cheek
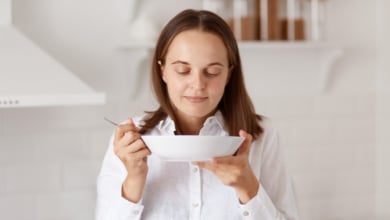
[
  {"x": 218, "y": 89},
  {"x": 175, "y": 86}
]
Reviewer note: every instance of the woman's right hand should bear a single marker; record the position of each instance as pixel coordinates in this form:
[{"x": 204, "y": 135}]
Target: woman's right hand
[{"x": 132, "y": 151}]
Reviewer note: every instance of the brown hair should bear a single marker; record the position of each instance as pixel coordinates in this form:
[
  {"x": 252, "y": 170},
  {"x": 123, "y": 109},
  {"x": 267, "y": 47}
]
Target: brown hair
[{"x": 235, "y": 105}]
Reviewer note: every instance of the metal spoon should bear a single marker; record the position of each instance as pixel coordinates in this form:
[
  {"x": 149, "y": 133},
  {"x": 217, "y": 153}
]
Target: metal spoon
[{"x": 111, "y": 122}]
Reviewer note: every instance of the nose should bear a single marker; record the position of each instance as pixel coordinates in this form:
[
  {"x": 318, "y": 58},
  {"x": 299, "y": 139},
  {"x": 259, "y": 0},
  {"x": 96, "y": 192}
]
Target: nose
[{"x": 198, "y": 81}]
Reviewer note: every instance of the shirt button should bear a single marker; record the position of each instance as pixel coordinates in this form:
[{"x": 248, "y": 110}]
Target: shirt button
[
  {"x": 245, "y": 213},
  {"x": 195, "y": 205},
  {"x": 135, "y": 212},
  {"x": 195, "y": 169}
]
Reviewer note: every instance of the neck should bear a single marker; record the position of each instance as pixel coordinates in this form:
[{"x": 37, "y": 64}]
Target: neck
[{"x": 190, "y": 125}]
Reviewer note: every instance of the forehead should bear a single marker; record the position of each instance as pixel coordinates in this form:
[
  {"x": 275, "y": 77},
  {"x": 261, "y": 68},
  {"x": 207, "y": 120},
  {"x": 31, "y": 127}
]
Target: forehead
[{"x": 197, "y": 44}]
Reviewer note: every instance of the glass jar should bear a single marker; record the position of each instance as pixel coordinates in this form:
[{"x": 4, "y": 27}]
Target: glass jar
[
  {"x": 239, "y": 14},
  {"x": 244, "y": 22},
  {"x": 292, "y": 20},
  {"x": 269, "y": 28},
  {"x": 315, "y": 11}
]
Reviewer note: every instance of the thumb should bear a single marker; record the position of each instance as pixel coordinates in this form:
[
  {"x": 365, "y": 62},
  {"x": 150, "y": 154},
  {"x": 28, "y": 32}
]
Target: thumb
[
  {"x": 245, "y": 146},
  {"x": 132, "y": 125}
]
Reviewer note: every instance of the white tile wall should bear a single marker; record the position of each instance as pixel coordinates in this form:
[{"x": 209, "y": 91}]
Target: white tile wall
[
  {"x": 383, "y": 112},
  {"x": 13, "y": 147},
  {"x": 18, "y": 207},
  {"x": 382, "y": 153},
  {"x": 75, "y": 205},
  {"x": 339, "y": 208},
  {"x": 80, "y": 174},
  {"x": 25, "y": 177},
  {"x": 2, "y": 180},
  {"x": 49, "y": 157},
  {"x": 329, "y": 144}
]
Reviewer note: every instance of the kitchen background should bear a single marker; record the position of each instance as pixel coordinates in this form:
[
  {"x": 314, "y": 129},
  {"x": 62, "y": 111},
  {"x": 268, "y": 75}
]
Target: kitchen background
[{"x": 333, "y": 118}]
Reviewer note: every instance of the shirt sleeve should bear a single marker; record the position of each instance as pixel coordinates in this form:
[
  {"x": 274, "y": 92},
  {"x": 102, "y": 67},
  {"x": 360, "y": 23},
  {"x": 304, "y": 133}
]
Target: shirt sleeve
[
  {"x": 110, "y": 203},
  {"x": 275, "y": 198}
]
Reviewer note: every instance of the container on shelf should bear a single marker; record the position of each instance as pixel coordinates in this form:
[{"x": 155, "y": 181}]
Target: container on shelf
[
  {"x": 292, "y": 20},
  {"x": 302, "y": 19},
  {"x": 315, "y": 14},
  {"x": 272, "y": 20},
  {"x": 239, "y": 14},
  {"x": 244, "y": 22},
  {"x": 269, "y": 26}
]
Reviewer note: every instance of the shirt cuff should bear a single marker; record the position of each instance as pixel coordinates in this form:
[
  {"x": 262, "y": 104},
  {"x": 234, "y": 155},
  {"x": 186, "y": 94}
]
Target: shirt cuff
[
  {"x": 259, "y": 207},
  {"x": 124, "y": 209}
]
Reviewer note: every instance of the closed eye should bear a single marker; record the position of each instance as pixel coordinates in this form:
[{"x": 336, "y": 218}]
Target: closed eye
[
  {"x": 183, "y": 72},
  {"x": 182, "y": 69},
  {"x": 212, "y": 74},
  {"x": 213, "y": 71}
]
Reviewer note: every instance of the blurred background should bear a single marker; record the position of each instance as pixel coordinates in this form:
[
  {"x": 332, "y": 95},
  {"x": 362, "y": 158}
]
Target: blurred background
[{"x": 318, "y": 68}]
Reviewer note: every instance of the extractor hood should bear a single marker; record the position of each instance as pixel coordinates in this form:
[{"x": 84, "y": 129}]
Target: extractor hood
[{"x": 30, "y": 77}]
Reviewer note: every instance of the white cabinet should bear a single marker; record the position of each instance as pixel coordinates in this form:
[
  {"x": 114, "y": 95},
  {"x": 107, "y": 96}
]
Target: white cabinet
[{"x": 29, "y": 77}]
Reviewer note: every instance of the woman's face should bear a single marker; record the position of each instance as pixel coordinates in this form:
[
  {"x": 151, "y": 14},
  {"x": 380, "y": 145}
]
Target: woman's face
[{"x": 196, "y": 71}]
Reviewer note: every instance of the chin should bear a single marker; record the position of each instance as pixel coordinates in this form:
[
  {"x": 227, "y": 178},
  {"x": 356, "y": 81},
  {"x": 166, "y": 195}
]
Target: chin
[{"x": 199, "y": 113}]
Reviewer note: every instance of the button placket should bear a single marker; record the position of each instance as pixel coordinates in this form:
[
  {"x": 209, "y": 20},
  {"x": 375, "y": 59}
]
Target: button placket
[{"x": 195, "y": 192}]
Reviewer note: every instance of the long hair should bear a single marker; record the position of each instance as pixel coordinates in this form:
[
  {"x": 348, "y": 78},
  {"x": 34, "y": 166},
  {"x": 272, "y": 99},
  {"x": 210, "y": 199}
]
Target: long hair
[{"x": 235, "y": 105}]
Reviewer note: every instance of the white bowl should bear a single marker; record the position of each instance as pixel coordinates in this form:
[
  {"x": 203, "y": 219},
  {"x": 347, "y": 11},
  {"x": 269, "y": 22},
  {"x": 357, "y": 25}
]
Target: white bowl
[{"x": 192, "y": 147}]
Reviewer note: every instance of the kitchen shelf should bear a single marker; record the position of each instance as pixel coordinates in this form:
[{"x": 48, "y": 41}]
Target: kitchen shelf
[
  {"x": 29, "y": 77},
  {"x": 243, "y": 45},
  {"x": 279, "y": 68}
]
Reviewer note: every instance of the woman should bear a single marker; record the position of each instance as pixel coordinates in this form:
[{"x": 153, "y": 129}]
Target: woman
[{"x": 198, "y": 81}]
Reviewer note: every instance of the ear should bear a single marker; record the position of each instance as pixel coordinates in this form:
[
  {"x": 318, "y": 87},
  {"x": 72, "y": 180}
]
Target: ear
[{"x": 162, "y": 67}]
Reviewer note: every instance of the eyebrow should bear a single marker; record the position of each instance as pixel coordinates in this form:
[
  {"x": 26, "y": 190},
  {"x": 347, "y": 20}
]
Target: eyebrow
[
  {"x": 215, "y": 63},
  {"x": 186, "y": 63},
  {"x": 180, "y": 62}
]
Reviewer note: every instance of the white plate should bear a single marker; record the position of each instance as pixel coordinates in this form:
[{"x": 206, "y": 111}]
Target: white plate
[{"x": 192, "y": 147}]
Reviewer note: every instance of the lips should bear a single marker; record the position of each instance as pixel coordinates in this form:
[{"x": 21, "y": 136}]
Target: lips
[{"x": 195, "y": 99}]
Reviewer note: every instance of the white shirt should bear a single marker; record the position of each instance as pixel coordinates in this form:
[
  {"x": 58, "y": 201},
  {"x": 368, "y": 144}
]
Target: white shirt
[{"x": 181, "y": 190}]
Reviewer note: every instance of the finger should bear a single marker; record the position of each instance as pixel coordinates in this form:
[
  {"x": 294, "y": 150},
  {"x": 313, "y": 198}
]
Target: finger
[
  {"x": 226, "y": 173},
  {"x": 137, "y": 146},
  {"x": 224, "y": 161},
  {"x": 133, "y": 147},
  {"x": 204, "y": 165},
  {"x": 122, "y": 129},
  {"x": 133, "y": 150},
  {"x": 141, "y": 154},
  {"x": 132, "y": 125},
  {"x": 245, "y": 146},
  {"x": 128, "y": 139},
  {"x": 217, "y": 164}
]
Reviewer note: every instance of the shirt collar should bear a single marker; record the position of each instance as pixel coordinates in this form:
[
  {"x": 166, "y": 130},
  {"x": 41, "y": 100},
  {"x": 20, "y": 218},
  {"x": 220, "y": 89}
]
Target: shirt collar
[
  {"x": 167, "y": 125},
  {"x": 214, "y": 125}
]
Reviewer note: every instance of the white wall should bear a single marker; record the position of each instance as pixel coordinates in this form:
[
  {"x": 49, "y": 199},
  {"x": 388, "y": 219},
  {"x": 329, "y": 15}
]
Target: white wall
[
  {"x": 383, "y": 110},
  {"x": 49, "y": 157}
]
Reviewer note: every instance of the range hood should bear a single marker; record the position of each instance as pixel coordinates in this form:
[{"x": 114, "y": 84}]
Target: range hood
[{"x": 30, "y": 77}]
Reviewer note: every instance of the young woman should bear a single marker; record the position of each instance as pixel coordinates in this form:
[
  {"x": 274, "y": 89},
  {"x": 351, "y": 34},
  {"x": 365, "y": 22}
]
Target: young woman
[{"x": 198, "y": 81}]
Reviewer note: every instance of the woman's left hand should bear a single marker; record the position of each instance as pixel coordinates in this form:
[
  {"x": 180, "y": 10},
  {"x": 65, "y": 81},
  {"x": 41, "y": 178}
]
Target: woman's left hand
[{"x": 235, "y": 171}]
